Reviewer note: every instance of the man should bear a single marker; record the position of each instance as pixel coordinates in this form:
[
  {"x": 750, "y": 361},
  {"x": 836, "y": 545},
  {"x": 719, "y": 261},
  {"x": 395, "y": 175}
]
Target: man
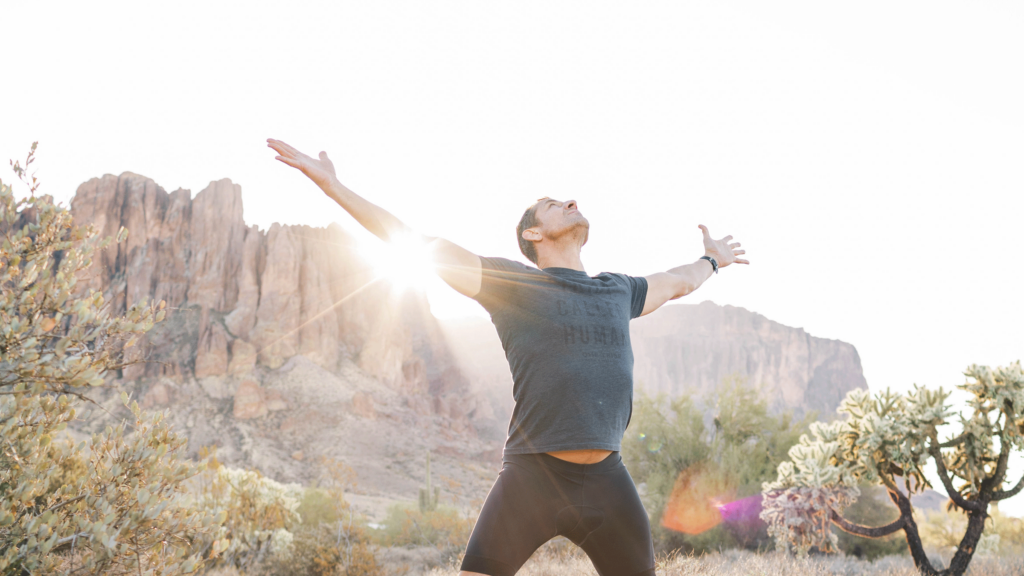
[{"x": 566, "y": 337}]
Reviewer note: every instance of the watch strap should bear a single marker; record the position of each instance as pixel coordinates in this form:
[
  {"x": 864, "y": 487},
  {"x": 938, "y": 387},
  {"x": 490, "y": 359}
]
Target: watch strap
[{"x": 714, "y": 263}]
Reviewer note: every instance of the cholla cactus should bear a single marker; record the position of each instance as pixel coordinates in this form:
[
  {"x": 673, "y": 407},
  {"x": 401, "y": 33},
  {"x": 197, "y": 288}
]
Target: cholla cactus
[
  {"x": 889, "y": 438},
  {"x": 117, "y": 501},
  {"x": 257, "y": 515}
]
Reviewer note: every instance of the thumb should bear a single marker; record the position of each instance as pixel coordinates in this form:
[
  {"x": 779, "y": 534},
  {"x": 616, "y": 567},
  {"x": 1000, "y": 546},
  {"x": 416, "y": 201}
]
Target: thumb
[
  {"x": 704, "y": 229},
  {"x": 323, "y": 156}
]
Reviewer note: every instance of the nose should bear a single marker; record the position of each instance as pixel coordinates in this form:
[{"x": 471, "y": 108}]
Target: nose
[{"x": 571, "y": 205}]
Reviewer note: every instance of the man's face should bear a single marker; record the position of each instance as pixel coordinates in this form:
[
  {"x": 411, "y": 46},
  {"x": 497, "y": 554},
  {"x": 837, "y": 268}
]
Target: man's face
[{"x": 558, "y": 219}]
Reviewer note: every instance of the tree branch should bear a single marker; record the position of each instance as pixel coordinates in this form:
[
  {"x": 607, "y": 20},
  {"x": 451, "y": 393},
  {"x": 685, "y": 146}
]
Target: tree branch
[
  {"x": 866, "y": 531},
  {"x": 999, "y": 475},
  {"x": 1004, "y": 494},
  {"x": 954, "y": 495},
  {"x": 952, "y": 441},
  {"x": 64, "y": 503}
]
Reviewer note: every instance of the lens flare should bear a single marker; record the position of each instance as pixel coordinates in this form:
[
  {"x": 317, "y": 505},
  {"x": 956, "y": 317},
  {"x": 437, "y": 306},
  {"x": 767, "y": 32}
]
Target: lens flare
[
  {"x": 696, "y": 502},
  {"x": 405, "y": 261}
]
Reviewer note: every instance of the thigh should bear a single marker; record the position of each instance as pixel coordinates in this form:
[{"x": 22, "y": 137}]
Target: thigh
[
  {"x": 517, "y": 518},
  {"x": 621, "y": 545}
]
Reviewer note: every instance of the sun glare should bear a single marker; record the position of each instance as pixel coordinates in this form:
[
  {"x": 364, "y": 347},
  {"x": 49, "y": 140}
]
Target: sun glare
[{"x": 404, "y": 262}]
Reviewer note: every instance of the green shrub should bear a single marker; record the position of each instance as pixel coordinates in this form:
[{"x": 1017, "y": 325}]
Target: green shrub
[
  {"x": 113, "y": 504},
  {"x": 684, "y": 464},
  {"x": 443, "y": 528},
  {"x": 258, "y": 515}
]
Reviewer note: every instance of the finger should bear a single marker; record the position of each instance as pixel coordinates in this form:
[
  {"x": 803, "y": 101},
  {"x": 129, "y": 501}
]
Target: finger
[
  {"x": 727, "y": 238},
  {"x": 704, "y": 229},
  {"x": 734, "y": 245},
  {"x": 738, "y": 252},
  {"x": 279, "y": 148},
  {"x": 323, "y": 156},
  {"x": 290, "y": 161},
  {"x": 284, "y": 147},
  {"x": 741, "y": 261}
]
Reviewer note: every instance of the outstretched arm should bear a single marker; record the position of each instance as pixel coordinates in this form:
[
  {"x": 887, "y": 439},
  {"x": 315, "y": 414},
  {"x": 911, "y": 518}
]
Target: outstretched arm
[
  {"x": 682, "y": 280},
  {"x": 458, "y": 267}
]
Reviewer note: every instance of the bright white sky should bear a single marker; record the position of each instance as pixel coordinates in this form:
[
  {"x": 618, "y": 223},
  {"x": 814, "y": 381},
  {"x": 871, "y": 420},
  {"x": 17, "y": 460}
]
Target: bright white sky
[{"x": 868, "y": 155}]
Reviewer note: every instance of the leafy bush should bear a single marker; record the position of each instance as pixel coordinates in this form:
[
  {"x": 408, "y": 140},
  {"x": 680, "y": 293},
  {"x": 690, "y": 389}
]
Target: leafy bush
[
  {"x": 331, "y": 539},
  {"x": 257, "y": 516},
  {"x": 444, "y": 528},
  {"x": 116, "y": 503},
  {"x": 689, "y": 470}
]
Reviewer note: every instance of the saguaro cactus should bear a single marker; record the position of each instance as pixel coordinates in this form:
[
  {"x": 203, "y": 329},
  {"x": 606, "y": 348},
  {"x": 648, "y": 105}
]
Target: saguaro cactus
[{"x": 428, "y": 496}]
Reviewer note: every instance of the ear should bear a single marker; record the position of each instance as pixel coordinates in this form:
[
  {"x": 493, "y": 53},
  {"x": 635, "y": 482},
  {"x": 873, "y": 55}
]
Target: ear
[{"x": 532, "y": 235}]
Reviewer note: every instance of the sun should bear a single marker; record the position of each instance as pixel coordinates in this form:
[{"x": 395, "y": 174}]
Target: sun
[{"x": 405, "y": 262}]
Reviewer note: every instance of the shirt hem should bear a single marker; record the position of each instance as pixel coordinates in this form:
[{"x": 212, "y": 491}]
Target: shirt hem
[{"x": 561, "y": 447}]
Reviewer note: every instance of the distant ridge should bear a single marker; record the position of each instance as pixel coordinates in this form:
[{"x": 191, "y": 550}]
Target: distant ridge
[{"x": 693, "y": 348}]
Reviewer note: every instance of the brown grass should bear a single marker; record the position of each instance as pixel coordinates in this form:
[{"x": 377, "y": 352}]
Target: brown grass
[{"x": 735, "y": 563}]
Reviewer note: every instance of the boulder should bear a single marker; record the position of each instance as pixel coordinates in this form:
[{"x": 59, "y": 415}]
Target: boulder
[
  {"x": 243, "y": 358},
  {"x": 362, "y": 405},
  {"x": 156, "y": 397},
  {"x": 212, "y": 355},
  {"x": 275, "y": 400},
  {"x": 217, "y": 387},
  {"x": 249, "y": 401}
]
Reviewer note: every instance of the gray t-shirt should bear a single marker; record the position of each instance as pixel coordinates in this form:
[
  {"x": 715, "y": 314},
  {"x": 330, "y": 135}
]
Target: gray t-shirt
[{"x": 566, "y": 337}]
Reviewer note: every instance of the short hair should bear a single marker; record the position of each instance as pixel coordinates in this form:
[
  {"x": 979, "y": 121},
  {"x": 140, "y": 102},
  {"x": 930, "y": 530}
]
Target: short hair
[{"x": 529, "y": 220}]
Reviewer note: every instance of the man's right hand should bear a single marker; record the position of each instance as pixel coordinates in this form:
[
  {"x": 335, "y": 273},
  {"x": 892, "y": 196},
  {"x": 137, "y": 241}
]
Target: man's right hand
[
  {"x": 321, "y": 171},
  {"x": 455, "y": 265}
]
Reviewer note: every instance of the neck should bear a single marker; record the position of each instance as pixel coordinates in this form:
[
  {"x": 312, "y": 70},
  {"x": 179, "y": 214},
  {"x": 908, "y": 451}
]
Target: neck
[{"x": 570, "y": 260}]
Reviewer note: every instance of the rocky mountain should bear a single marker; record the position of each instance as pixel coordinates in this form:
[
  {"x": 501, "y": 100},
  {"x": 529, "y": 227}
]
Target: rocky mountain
[
  {"x": 693, "y": 348},
  {"x": 245, "y": 297},
  {"x": 280, "y": 348}
]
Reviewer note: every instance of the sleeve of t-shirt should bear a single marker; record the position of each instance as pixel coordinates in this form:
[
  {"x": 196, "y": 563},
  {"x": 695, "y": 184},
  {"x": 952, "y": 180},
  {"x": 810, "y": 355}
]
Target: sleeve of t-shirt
[
  {"x": 638, "y": 289},
  {"x": 501, "y": 279}
]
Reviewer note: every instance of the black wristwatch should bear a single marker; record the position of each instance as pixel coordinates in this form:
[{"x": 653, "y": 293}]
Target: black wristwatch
[{"x": 714, "y": 263}]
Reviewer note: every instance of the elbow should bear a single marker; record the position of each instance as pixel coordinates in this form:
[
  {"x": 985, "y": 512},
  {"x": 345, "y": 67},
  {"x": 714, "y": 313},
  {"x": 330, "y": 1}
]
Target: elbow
[{"x": 684, "y": 287}]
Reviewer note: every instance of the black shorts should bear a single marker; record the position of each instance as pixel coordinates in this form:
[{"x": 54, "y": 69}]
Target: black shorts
[{"x": 537, "y": 497}]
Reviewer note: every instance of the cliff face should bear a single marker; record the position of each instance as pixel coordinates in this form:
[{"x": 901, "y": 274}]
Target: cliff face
[
  {"x": 243, "y": 300},
  {"x": 693, "y": 348}
]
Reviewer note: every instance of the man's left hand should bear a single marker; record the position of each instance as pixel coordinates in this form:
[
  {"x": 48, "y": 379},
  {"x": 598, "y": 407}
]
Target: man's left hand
[{"x": 722, "y": 251}]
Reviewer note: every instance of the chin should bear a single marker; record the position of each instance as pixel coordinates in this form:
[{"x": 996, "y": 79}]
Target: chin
[{"x": 582, "y": 228}]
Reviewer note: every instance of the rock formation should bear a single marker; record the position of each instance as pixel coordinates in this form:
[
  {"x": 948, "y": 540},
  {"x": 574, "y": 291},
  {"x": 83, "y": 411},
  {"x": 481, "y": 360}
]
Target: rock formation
[
  {"x": 693, "y": 348},
  {"x": 245, "y": 300}
]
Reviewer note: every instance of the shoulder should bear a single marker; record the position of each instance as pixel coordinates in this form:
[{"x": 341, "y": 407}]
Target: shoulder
[
  {"x": 618, "y": 278},
  {"x": 506, "y": 265}
]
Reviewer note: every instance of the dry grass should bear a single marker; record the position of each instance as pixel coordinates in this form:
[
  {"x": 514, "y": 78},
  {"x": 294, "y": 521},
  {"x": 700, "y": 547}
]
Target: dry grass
[{"x": 734, "y": 563}]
